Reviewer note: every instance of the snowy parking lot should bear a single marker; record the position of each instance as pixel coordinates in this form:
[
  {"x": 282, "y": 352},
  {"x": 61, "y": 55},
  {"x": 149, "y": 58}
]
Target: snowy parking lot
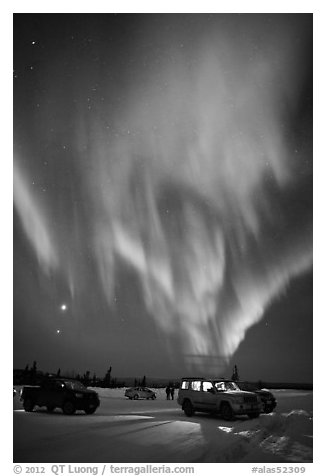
[{"x": 135, "y": 431}]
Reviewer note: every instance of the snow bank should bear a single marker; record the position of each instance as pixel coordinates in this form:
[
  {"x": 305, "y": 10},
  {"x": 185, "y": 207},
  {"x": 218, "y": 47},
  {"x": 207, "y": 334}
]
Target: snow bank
[{"x": 284, "y": 437}]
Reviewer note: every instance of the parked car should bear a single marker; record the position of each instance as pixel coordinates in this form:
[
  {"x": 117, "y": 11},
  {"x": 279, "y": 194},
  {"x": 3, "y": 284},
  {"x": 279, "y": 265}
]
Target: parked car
[
  {"x": 219, "y": 396},
  {"x": 268, "y": 401},
  {"x": 68, "y": 394},
  {"x": 140, "y": 392}
]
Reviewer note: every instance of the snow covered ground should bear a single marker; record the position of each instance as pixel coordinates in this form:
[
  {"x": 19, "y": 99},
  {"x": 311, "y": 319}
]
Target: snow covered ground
[{"x": 149, "y": 431}]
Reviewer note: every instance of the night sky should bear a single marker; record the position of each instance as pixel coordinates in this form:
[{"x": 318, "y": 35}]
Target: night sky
[{"x": 163, "y": 194}]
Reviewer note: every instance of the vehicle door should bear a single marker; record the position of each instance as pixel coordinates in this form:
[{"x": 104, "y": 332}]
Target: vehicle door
[
  {"x": 208, "y": 396},
  {"x": 44, "y": 393},
  {"x": 53, "y": 393},
  {"x": 195, "y": 393}
]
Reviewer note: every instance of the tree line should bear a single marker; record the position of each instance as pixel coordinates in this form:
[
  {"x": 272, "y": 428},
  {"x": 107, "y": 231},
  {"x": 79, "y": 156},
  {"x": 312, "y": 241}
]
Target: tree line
[{"x": 30, "y": 375}]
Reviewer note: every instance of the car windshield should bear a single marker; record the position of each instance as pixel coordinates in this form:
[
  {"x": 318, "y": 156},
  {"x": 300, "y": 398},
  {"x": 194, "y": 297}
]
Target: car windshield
[
  {"x": 74, "y": 385},
  {"x": 226, "y": 386}
]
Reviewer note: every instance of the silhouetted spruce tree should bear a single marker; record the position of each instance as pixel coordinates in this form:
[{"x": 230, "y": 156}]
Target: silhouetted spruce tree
[
  {"x": 26, "y": 375},
  {"x": 33, "y": 371},
  {"x": 235, "y": 375},
  {"x": 107, "y": 378},
  {"x": 86, "y": 379},
  {"x": 143, "y": 382},
  {"x": 34, "y": 367}
]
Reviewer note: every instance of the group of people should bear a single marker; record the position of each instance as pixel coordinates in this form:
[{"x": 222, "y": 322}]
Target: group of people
[{"x": 169, "y": 393}]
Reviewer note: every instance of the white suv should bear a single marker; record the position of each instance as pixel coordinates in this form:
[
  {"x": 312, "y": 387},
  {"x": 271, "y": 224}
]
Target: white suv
[{"x": 217, "y": 396}]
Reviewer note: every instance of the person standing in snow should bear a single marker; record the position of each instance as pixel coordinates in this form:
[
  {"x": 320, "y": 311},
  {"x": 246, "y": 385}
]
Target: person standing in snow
[
  {"x": 172, "y": 393},
  {"x": 167, "y": 391}
]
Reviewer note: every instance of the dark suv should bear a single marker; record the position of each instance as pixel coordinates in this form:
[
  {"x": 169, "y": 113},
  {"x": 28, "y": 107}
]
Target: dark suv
[{"x": 68, "y": 394}]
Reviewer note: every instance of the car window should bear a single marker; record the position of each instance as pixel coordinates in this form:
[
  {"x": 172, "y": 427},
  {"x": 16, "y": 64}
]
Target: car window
[
  {"x": 220, "y": 386},
  {"x": 231, "y": 386},
  {"x": 195, "y": 385},
  {"x": 73, "y": 385},
  {"x": 207, "y": 386},
  {"x": 226, "y": 386},
  {"x": 53, "y": 385},
  {"x": 185, "y": 385}
]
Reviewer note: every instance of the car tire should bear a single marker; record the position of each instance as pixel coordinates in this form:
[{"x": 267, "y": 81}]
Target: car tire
[
  {"x": 90, "y": 411},
  {"x": 227, "y": 412},
  {"x": 50, "y": 408},
  {"x": 28, "y": 405},
  {"x": 153, "y": 397},
  {"x": 253, "y": 415},
  {"x": 68, "y": 407},
  {"x": 136, "y": 396},
  {"x": 188, "y": 408}
]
